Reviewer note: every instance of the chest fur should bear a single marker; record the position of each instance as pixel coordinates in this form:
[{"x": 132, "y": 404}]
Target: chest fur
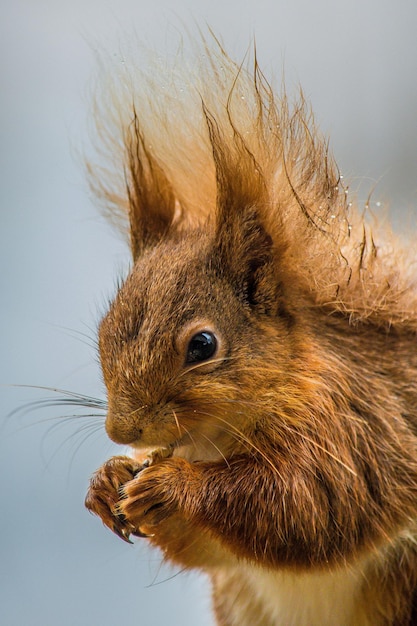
[{"x": 269, "y": 598}]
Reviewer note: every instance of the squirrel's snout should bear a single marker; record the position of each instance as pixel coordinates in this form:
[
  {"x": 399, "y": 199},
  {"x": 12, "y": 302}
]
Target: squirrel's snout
[{"x": 123, "y": 429}]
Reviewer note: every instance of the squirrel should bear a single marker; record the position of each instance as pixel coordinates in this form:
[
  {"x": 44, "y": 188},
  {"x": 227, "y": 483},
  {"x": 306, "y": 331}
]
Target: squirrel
[{"x": 260, "y": 358}]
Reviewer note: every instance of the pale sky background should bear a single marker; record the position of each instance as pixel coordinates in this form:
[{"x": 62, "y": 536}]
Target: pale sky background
[{"x": 357, "y": 63}]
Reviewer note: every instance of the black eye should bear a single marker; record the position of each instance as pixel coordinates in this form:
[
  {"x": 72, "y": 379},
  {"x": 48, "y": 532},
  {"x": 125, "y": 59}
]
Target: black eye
[{"x": 201, "y": 347}]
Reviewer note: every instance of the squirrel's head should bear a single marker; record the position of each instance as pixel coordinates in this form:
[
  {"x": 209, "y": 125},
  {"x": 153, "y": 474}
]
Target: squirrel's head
[
  {"x": 187, "y": 337},
  {"x": 244, "y": 249}
]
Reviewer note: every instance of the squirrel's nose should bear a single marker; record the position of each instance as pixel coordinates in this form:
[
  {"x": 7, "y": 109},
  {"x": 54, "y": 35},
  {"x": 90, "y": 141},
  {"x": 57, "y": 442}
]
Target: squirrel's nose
[{"x": 123, "y": 428}]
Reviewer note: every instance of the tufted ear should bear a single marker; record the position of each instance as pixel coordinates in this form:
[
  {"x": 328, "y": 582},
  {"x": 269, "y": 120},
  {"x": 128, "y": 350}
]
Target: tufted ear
[
  {"x": 150, "y": 195},
  {"x": 243, "y": 249},
  {"x": 245, "y": 252}
]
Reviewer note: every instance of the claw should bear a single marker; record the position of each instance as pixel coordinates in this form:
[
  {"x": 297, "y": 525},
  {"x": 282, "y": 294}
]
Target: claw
[
  {"x": 159, "y": 454},
  {"x": 145, "y": 464},
  {"x": 123, "y": 534},
  {"x": 154, "y": 457}
]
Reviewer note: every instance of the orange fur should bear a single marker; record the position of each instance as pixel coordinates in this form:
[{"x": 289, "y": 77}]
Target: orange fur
[{"x": 291, "y": 451}]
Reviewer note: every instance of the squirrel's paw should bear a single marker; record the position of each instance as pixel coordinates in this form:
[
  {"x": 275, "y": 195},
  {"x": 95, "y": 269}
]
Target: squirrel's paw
[
  {"x": 104, "y": 493},
  {"x": 154, "y": 494}
]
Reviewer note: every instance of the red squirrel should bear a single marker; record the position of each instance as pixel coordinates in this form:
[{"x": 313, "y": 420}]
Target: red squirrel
[{"x": 260, "y": 358}]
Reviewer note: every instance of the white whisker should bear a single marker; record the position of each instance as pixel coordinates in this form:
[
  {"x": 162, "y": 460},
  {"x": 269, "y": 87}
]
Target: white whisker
[
  {"x": 216, "y": 448},
  {"x": 196, "y": 366},
  {"x": 177, "y": 423}
]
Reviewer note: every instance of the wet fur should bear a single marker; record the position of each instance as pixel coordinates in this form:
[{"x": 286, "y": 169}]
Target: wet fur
[{"x": 295, "y": 449}]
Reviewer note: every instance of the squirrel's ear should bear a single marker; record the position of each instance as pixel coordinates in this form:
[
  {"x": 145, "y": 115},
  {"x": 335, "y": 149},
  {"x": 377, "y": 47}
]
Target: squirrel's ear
[
  {"x": 244, "y": 253},
  {"x": 243, "y": 249},
  {"x": 150, "y": 195}
]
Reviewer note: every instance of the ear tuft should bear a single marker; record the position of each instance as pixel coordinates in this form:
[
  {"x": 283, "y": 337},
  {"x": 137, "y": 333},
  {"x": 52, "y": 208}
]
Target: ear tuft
[
  {"x": 150, "y": 195},
  {"x": 243, "y": 249}
]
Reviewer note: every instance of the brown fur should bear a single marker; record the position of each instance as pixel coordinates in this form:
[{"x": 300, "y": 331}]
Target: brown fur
[{"x": 295, "y": 447}]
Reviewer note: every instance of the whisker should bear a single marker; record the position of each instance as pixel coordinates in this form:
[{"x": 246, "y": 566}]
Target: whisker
[
  {"x": 86, "y": 411},
  {"x": 242, "y": 402},
  {"x": 320, "y": 447},
  {"x": 242, "y": 438},
  {"x": 139, "y": 408},
  {"x": 155, "y": 583},
  {"x": 182, "y": 429},
  {"x": 188, "y": 433},
  {"x": 196, "y": 366},
  {"x": 91, "y": 342},
  {"x": 65, "y": 392},
  {"x": 311, "y": 441},
  {"x": 38, "y": 405},
  {"x": 65, "y": 419},
  {"x": 301, "y": 435},
  {"x": 177, "y": 423},
  {"x": 69, "y": 398},
  {"x": 93, "y": 429},
  {"x": 216, "y": 448},
  {"x": 61, "y": 422}
]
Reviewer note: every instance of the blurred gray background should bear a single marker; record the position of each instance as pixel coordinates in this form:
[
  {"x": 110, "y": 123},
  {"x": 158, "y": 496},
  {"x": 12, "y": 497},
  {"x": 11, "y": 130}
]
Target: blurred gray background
[{"x": 357, "y": 63}]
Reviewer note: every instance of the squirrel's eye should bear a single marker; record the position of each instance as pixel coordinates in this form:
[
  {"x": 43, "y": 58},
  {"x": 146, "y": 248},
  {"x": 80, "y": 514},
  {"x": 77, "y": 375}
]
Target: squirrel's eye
[{"x": 202, "y": 346}]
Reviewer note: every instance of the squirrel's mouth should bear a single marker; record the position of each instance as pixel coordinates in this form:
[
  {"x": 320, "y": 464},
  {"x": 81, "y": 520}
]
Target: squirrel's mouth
[
  {"x": 164, "y": 450},
  {"x": 193, "y": 445},
  {"x": 185, "y": 447}
]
